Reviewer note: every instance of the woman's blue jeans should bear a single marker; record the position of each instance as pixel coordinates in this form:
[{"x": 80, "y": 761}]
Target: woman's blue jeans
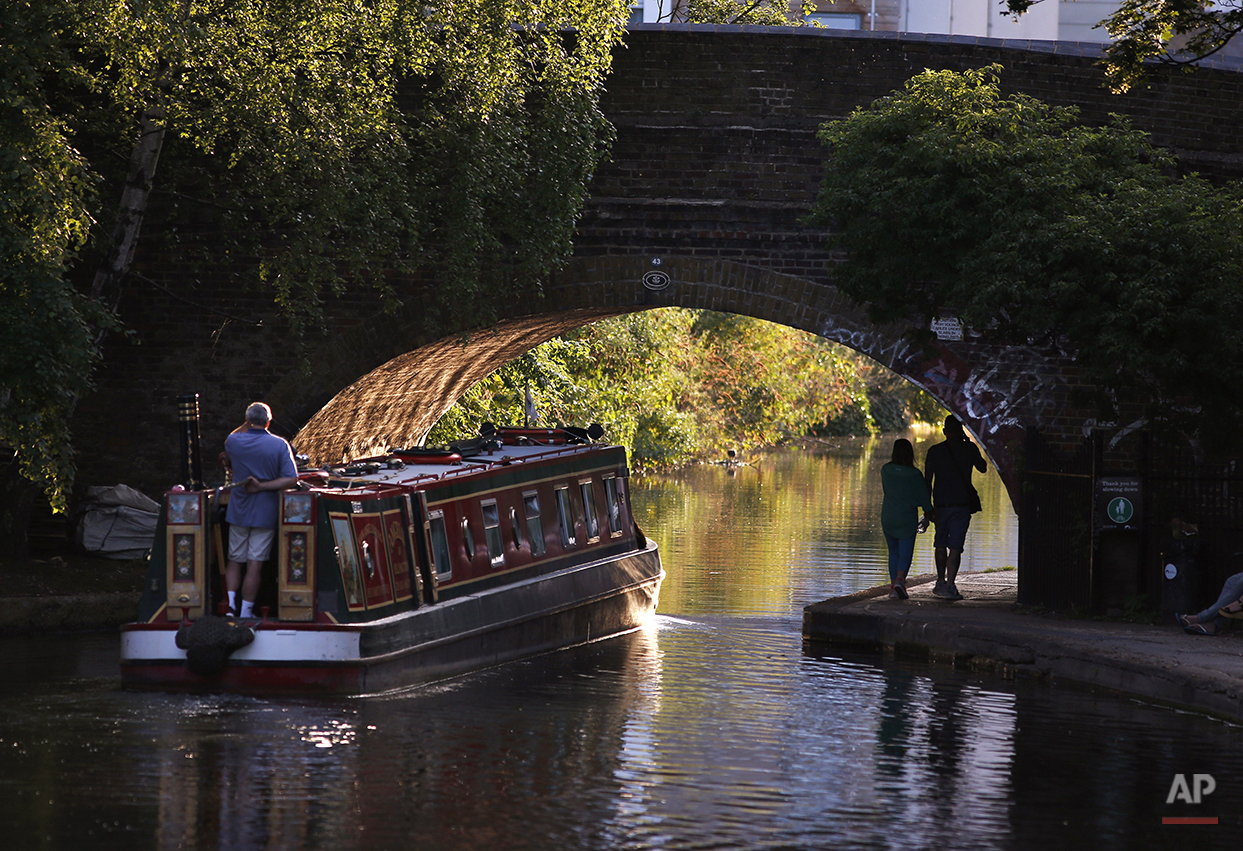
[{"x": 901, "y": 551}]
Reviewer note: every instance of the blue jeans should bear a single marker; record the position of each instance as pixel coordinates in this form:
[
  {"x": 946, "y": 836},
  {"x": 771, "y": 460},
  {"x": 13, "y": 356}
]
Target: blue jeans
[
  {"x": 1231, "y": 591},
  {"x": 901, "y": 551}
]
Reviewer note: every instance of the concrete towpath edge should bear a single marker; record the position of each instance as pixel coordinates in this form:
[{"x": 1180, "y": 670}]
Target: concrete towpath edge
[{"x": 1119, "y": 657}]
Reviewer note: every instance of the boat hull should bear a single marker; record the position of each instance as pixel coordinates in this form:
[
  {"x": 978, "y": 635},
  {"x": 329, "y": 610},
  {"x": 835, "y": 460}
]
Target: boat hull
[{"x": 587, "y": 602}]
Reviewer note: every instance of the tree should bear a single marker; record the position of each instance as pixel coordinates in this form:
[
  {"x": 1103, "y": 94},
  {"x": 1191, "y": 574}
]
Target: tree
[
  {"x": 327, "y": 135},
  {"x": 673, "y": 385},
  {"x": 1177, "y": 33},
  {"x": 629, "y": 373},
  {"x": 947, "y": 196},
  {"x": 46, "y": 343},
  {"x": 774, "y": 13},
  {"x": 767, "y": 383}
]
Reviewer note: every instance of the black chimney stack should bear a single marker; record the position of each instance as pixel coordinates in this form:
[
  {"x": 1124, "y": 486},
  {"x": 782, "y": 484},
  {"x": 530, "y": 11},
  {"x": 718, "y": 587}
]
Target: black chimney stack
[{"x": 191, "y": 465}]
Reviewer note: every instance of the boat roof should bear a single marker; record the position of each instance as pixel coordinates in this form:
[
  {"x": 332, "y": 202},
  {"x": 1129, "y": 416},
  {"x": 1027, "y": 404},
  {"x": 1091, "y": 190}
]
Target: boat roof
[{"x": 420, "y": 466}]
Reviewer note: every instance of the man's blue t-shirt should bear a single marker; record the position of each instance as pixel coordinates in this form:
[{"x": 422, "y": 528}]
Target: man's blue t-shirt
[{"x": 259, "y": 453}]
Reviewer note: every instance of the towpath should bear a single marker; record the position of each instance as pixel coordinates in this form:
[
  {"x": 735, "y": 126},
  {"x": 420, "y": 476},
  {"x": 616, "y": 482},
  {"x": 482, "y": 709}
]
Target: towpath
[
  {"x": 66, "y": 612},
  {"x": 1158, "y": 662}
]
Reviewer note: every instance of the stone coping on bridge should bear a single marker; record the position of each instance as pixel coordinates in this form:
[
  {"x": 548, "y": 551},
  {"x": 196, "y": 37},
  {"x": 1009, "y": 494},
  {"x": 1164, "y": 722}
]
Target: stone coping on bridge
[
  {"x": 1088, "y": 49},
  {"x": 1157, "y": 662}
]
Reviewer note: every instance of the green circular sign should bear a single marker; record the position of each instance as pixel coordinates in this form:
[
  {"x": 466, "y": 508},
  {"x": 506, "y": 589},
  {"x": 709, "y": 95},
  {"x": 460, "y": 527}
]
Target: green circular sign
[{"x": 1120, "y": 509}]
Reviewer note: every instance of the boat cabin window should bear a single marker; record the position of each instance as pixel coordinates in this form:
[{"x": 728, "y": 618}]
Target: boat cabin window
[
  {"x": 614, "y": 501},
  {"x": 530, "y": 505},
  {"x": 516, "y": 526},
  {"x": 440, "y": 544},
  {"x": 565, "y": 516},
  {"x": 492, "y": 531},
  {"x": 590, "y": 520},
  {"x": 468, "y": 539}
]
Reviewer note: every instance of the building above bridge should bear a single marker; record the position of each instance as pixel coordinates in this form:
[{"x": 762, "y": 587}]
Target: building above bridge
[{"x": 1076, "y": 21}]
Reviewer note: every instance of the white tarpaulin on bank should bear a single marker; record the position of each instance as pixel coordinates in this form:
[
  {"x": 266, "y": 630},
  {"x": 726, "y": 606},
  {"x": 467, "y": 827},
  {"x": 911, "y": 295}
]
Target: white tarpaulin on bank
[{"x": 117, "y": 522}]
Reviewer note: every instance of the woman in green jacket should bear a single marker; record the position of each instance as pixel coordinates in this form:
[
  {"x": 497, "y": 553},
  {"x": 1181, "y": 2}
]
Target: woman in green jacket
[{"x": 905, "y": 493}]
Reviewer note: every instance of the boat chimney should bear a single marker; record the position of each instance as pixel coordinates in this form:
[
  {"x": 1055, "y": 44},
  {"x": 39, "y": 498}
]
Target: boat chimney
[{"x": 191, "y": 465}]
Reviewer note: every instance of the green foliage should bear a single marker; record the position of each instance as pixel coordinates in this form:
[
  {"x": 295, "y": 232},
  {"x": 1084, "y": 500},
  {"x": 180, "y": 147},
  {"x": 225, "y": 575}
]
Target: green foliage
[
  {"x": 46, "y": 345},
  {"x": 623, "y": 373},
  {"x": 1174, "y": 31},
  {"x": 774, "y": 13},
  {"x": 673, "y": 385},
  {"x": 768, "y": 383},
  {"x": 1032, "y": 227},
  {"x": 893, "y": 402},
  {"x": 376, "y": 138},
  {"x": 313, "y": 145}
]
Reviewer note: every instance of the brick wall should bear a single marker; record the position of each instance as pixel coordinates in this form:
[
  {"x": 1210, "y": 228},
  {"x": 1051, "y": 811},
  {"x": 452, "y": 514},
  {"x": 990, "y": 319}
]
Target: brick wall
[{"x": 715, "y": 164}]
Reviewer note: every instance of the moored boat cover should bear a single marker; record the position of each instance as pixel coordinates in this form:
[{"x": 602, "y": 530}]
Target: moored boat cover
[{"x": 117, "y": 522}]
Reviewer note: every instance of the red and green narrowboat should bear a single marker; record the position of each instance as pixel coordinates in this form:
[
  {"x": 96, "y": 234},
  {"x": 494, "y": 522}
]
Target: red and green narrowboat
[{"x": 409, "y": 567}]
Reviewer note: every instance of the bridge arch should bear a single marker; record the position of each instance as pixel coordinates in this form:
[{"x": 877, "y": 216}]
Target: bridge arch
[
  {"x": 398, "y": 401},
  {"x": 714, "y": 167}
]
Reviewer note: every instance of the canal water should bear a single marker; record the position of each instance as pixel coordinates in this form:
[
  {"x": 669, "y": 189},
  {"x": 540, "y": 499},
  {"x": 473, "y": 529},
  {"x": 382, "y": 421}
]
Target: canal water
[{"x": 716, "y": 728}]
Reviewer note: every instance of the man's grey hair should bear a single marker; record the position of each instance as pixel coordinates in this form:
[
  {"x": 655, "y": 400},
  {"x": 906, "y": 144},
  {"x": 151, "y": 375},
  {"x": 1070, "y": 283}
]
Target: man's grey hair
[{"x": 258, "y": 415}]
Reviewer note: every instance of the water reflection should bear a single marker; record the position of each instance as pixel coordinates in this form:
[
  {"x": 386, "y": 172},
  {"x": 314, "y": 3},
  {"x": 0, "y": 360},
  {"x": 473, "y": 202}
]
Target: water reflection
[
  {"x": 795, "y": 527},
  {"x": 710, "y": 732},
  {"x": 714, "y": 729}
]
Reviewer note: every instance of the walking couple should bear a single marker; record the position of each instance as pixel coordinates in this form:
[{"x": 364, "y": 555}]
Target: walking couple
[{"x": 945, "y": 493}]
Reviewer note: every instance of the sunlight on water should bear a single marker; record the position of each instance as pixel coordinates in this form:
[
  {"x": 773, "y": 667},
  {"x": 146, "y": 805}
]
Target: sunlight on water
[{"x": 791, "y": 528}]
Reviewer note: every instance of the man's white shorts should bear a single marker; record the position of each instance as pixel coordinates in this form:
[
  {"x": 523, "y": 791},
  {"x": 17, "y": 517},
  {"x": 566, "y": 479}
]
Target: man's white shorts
[{"x": 250, "y": 543}]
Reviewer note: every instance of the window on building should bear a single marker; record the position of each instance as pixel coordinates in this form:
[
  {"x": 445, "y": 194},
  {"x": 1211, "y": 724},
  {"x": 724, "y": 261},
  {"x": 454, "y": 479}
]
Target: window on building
[{"x": 836, "y": 20}]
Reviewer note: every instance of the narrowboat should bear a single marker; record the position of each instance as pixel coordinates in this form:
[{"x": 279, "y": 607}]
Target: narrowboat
[{"x": 409, "y": 567}]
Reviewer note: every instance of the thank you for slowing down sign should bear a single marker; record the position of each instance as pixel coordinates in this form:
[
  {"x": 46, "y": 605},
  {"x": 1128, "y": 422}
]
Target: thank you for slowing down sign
[{"x": 1119, "y": 502}]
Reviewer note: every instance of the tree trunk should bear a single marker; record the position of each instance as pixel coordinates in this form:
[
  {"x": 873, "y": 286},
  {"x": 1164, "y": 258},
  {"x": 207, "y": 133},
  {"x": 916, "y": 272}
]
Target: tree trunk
[
  {"x": 17, "y": 502},
  {"x": 142, "y": 165}
]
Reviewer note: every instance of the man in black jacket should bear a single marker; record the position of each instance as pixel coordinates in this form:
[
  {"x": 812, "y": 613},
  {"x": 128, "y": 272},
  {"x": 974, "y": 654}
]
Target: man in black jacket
[{"x": 947, "y": 470}]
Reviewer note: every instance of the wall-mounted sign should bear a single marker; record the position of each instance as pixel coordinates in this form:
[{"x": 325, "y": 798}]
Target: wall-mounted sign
[
  {"x": 948, "y": 328},
  {"x": 655, "y": 280},
  {"x": 1119, "y": 502}
]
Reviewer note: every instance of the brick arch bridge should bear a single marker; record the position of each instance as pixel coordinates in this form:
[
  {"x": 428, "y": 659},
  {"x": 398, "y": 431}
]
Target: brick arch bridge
[
  {"x": 714, "y": 166},
  {"x": 398, "y": 402}
]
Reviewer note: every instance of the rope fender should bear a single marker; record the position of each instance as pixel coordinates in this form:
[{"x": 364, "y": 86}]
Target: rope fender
[{"x": 208, "y": 642}]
